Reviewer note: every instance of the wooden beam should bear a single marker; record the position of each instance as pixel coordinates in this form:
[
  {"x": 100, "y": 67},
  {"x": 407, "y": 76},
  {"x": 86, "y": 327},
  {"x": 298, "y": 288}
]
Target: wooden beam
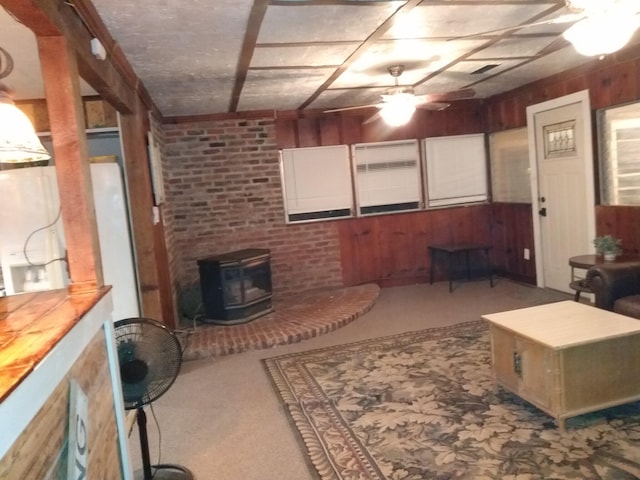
[
  {"x": 64, "y": 103},
  {"x": 133, "y": 134},
  {"x": 46, "y": 18},
  {"x": 98, "y": 29},
  {"x": 358, "y": 52},
  {"x": 258, "y": 11}
]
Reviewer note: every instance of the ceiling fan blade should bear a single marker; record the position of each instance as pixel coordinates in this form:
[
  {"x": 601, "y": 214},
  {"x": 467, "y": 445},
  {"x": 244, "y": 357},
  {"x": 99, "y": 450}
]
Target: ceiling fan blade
[
  {"x": 436, "y": 106},
  {"x": 446, "y": 96},
  {"x": 558, "y": 44},
  {"x": 352, "y": 108},
  {"x": 372, "y": 118},
  {"x": 568, "y": 18}
]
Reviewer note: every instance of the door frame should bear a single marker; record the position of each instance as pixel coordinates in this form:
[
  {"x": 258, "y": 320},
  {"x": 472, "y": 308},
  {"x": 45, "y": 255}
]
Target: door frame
[{"x": 581, "y": 97}]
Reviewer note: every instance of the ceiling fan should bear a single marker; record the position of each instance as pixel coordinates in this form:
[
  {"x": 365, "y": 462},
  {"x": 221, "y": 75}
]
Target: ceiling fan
[
  {"x": 599, "y": 27},
  {"x": 399, "y": 102}
]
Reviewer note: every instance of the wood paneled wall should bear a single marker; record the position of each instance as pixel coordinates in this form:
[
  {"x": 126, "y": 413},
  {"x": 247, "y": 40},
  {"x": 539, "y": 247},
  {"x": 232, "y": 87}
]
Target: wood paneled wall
[
  {"x": 312, "y": 129},
  {"x": 611, "y": 81},
  {"x": 511, "y": 233},
  {"x": 621, "y": 222},
  {"x": 392, "y": 249}
]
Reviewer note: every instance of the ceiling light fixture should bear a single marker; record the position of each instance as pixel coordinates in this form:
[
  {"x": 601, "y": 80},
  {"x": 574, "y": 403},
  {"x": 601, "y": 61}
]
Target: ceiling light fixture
[
  {"x": 400, "y": 102},
  {"x": 399, "y": 110},
  {"x": 18, "y": 140},
  {"x": 605, "y": 32}
]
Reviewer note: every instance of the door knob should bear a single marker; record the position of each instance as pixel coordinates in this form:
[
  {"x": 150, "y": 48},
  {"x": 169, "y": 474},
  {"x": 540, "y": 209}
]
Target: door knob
[{"x": 543, "y": 212}]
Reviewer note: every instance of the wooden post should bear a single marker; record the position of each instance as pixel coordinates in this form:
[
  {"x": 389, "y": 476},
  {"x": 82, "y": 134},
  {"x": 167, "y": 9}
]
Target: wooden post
[
  {"x": 133, "y": 128},
  {"x": 64, "y": 103}
]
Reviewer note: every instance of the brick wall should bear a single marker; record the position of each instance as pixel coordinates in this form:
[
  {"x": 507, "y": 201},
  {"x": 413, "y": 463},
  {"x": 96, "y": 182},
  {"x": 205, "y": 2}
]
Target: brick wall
[{"x": 223, "y": 193}]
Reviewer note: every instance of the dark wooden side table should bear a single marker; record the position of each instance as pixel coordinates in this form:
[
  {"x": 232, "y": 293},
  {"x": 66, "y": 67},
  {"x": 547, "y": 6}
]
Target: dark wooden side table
[
  {"x": 585, "y": 262},
  {"x": 454, "y": 249}
]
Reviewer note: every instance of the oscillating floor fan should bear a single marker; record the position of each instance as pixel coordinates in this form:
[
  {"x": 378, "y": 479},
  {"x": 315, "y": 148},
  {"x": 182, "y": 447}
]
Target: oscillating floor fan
[{"x": 150, "y": 357}]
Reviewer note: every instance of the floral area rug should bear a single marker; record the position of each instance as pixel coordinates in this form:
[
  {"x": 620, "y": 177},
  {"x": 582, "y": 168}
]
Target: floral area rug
[{"x": 424, "y": 405}]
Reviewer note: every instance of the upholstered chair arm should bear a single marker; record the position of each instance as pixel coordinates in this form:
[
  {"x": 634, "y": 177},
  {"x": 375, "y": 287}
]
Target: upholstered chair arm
[{"x": 612, "y": 281}]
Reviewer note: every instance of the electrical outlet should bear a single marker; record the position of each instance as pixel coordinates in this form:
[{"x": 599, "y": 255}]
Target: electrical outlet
[{"x": 527, "y": 254}]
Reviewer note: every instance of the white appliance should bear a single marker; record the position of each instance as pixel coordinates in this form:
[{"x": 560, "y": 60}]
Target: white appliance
[{"x": 30, "y": 223}]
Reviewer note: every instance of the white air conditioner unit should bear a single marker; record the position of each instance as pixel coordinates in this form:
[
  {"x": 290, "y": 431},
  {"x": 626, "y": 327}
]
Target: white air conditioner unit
[{"x": 387, "y": 176}]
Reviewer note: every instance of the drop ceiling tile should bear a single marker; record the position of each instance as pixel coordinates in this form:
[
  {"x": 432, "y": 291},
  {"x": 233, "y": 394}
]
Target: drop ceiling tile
[
  {"x": 186, "y": 105},
  {"x": 282, "y": 89},
  {"x": 456, "y": 20},
  {"x": 448, "y": 81},
  {"x": 460, "y": 75},
  {"x": 192, "y": 94},
  {"x": 339, "y": 98},
  {"x": 317, "y": 23},
  {"x": 173, "y": 40},
  {"x": 467, "y": 67},
  {"x": 514, "y": 46},
  {"x": 420, "y": 57},
  {"x": 174, "y": 16},
  {"x": 556, "y": 62},
  {"x": 151, "y": 59},
  {"x": 304, "y": 55}
]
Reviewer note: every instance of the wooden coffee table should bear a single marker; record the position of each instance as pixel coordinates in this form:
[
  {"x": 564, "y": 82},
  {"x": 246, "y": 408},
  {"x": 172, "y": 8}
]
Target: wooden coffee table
[{"x": 566, "y": 358}]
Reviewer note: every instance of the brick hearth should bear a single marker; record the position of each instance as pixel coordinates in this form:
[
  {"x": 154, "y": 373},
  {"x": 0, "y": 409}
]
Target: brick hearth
[{"x": 294, "y": 319}]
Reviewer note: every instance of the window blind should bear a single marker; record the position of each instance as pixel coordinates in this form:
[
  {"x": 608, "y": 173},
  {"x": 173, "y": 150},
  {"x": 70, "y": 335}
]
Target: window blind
[
  {"x": 620, "y": 155},
  {"x": 456, "y": 169},
  {"x": 316, "y": 183},
  {"x": 509, "y": 157}
]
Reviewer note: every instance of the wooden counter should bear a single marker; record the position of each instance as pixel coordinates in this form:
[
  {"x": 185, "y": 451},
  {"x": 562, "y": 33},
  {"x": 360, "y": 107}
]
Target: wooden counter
[
  {"x": 31, "y": 325},
  {"x": 49, "y": 342}
]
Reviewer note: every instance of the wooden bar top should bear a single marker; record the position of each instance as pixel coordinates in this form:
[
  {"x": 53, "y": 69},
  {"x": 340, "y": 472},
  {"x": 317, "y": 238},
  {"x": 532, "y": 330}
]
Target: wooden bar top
[{"x": 31, "y": 324}]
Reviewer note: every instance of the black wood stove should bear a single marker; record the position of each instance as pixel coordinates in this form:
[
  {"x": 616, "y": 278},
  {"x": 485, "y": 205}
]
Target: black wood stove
[{"x": 236, "y": 286}]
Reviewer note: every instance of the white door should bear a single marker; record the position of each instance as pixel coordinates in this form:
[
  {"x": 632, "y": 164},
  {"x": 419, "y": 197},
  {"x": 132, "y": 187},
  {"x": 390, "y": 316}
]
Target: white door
[{"x": 560, "y": 152}]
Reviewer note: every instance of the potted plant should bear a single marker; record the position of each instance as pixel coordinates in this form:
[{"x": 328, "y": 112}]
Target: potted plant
[{"x": 608, "y": 246}]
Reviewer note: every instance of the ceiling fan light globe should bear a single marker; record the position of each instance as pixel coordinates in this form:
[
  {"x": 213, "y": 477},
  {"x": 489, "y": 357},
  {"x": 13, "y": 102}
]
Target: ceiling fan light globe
[
  {"x": 601, "y": 35},
  {"x": 396, "y": 114}
]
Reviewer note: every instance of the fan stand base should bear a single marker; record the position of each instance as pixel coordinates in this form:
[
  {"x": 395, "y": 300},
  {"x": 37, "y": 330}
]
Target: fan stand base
[
  {"x": 164, "y": 471},
  {"x": 170, "y": 472}
]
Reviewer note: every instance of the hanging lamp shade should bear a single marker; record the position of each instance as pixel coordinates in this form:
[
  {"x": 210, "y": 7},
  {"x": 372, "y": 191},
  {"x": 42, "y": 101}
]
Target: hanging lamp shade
[{"x": 18, "y": 140}]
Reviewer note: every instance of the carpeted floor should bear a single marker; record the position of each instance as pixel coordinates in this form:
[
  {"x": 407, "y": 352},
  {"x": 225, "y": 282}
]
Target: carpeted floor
[
  {"x": 223, "y": 420},
  {"x": 424, "y": 405}
]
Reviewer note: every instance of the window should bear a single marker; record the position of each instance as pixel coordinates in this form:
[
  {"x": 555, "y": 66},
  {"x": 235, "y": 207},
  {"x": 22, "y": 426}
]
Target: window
[
  {"x": 509, "y": 155},
  {"x": 316, "y": 183},
  {"x": 619, "y": 134},
  {"x": 387, "y": 177},
  {"x": 321, "y": 183},
  {"x": 456, "y": 170}
]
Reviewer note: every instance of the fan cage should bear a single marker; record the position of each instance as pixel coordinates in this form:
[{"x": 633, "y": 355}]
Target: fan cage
[{"x": 156, "y": 353}]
